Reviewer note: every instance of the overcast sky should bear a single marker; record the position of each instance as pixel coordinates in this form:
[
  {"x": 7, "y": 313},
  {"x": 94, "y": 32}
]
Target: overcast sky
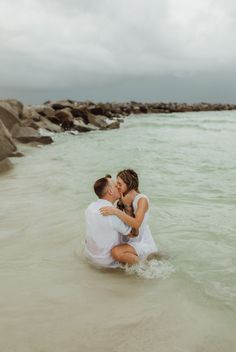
[{"x": 118, "y": 50}]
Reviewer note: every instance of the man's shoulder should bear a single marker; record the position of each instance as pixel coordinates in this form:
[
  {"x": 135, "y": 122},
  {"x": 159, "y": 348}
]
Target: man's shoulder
[
  {"x": 91, "y": 206},
  {"x": 99, "y": 203},
  {"x": 95, "y": 206}
]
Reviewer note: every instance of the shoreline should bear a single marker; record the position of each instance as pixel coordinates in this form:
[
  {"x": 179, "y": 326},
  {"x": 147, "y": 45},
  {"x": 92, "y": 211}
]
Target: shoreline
[{"x": 24, "y": 123}]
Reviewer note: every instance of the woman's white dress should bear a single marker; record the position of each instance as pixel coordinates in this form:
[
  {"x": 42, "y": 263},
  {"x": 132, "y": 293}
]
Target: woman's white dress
[{"x": 144, "y": 243}]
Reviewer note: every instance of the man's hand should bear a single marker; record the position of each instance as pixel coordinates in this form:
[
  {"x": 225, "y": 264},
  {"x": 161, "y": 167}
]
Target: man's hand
[
  {"x": 128, "y": 198},
  {"x": 108, "y": 210}
]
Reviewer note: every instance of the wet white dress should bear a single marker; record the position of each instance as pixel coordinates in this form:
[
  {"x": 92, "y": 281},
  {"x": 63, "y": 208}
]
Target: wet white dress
[{"x": 144, "y": 243}]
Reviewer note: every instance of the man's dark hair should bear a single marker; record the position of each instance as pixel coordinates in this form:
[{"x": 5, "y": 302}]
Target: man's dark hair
[{"x": 100, "y": 186}]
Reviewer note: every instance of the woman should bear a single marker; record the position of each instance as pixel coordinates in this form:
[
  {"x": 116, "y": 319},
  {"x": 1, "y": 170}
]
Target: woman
[{"x": 136, "y": 204}]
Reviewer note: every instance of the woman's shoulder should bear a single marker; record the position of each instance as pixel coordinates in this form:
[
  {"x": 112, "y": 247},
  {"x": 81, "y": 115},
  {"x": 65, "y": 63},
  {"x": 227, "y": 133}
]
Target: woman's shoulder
[{"x": 140, "y": 196}]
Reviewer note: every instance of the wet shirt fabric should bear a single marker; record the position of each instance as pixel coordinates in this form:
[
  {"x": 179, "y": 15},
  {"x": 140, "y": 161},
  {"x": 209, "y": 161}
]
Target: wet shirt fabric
[{"x": 102, "y": 234}]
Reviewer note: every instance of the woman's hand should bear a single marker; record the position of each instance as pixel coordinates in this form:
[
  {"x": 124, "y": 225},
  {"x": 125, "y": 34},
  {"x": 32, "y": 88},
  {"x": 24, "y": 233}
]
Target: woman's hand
[
  {"x": 108, "y": 211},
  {"x": 128, "y": 198}
]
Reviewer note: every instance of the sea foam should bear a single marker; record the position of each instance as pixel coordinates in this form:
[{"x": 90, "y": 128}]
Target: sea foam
[{"x": 153, "y": 269}]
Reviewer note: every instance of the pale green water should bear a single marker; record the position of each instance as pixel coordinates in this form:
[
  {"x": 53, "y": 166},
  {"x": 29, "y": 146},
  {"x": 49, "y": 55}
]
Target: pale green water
[{"x": 187, "y": 167}]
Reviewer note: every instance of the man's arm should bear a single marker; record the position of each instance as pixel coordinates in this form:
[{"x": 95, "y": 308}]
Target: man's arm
[{"x": 119, "y": 225}]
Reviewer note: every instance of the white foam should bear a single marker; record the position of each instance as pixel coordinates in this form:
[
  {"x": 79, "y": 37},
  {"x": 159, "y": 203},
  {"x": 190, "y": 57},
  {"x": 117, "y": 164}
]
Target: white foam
[{"x": 153, "y": 269}]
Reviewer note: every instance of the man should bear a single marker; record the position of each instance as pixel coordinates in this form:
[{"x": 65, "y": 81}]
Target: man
[{"x": 103, "y": 232}]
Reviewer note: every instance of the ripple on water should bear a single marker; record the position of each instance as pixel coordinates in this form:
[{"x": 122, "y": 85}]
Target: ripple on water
[{"x": 186, "y": 167}]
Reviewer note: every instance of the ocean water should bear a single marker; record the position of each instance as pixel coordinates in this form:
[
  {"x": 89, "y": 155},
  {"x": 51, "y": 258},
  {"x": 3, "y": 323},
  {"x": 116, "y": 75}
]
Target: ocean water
[{"x": 53, "y": 300}]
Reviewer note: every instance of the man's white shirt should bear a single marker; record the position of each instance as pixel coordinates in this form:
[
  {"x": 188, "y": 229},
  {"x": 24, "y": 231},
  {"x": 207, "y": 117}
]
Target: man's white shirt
[{"x": 102, "y": 234}]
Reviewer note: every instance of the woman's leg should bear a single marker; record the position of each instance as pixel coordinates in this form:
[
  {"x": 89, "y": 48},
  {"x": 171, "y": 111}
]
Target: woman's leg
[{"x": 125, "y": 253}]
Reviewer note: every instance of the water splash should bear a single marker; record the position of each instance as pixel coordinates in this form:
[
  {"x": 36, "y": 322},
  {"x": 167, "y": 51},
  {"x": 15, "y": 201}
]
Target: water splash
[{"x": 153, "y": 269}]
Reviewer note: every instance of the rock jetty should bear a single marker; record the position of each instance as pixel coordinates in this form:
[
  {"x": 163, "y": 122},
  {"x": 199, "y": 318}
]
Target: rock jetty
[{"x": 25, "y": 124}]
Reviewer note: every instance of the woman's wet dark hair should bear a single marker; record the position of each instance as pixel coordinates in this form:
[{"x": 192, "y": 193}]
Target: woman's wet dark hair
[{"x": 130, "y": 178}]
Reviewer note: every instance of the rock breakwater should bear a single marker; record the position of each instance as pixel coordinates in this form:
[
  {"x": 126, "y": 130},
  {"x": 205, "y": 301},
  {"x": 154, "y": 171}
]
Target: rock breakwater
[{"x": 25, "y": 124}]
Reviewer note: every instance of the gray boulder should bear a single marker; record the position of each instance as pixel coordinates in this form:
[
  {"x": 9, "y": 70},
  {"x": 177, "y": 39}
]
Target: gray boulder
[
  {"x": 15, "y": 105},
  {"x": 98, "y": 121},
  {"x": 43, "y": 110},
  {"x": 29, "y": 135},
  {"x": 7, "y": 146},
  {"x": 103, "y": 122},
  {"x": 8, "y": 115},
  {"x": 113, "y": 125},
  {"x": 82, "y": 112},
  {"x": 35, "y": 139},
  {"x": 82, "y": 127},
  {"x": 64, "y": 117},
  {"x": 29, "y": 113},
  {"x": 45, "y": 124},
  {"x": 49, "y": 126},
  {"x": 61, "y": 104}
]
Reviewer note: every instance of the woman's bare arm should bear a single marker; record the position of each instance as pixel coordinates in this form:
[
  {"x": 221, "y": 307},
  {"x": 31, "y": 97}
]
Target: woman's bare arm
[{"x": 129, "y": 220}]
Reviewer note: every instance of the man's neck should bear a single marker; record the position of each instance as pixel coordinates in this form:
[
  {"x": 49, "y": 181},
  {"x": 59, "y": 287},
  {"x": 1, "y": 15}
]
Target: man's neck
[{"x": 109, "y": 199}]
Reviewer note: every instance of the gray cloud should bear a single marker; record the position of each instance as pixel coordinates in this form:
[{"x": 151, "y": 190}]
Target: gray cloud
[{"x": 66, "y": 46}]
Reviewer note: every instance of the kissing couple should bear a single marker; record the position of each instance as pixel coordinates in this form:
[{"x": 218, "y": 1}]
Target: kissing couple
[{"x": 118, "y": 234}]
